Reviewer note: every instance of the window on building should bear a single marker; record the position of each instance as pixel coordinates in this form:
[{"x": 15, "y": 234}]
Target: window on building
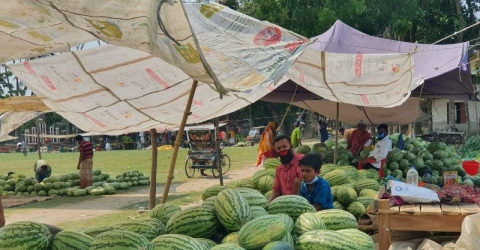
[{"x": 460, "y": 116}]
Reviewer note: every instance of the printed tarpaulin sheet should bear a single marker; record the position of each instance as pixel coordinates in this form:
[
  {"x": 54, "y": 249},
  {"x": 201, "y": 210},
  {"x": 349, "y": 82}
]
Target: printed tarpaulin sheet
[
  {"x": 12, "y": 120},
  {"x": 116, "y": 90},
  {"x": 210, "y": 42}
]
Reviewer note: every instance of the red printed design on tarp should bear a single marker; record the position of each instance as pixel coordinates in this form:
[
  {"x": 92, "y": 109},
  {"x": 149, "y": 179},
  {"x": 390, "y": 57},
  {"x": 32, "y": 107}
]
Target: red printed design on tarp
[
  {"x": 301, "y": 75},
  {"x": 49, "y": 83},
  {"x": 197, "y": 103},
  {"x": 269, "y": 36},
  {"x": 364, "y": 99},
  {"x": 26, "y": 64},
  {"x": 195, "y": 116},
  {"x": 358, "y": 65},
  {"x": 157, "y": 78},
  {"x": 269, "y": 88},
  {"x": 291, "y": 47},
  {"x": 94, "y": 120}
]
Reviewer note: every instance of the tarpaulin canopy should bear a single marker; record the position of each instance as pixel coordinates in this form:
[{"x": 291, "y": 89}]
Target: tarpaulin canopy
[
  {"x": 203, "y": 126},
  {"x": 444, "y": 68},
  {"x": 405, "y": 113},
  {"x": 12, "y": 120}
]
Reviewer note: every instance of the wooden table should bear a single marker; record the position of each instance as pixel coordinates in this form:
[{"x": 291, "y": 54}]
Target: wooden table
[{"x": 424, "y": 217}]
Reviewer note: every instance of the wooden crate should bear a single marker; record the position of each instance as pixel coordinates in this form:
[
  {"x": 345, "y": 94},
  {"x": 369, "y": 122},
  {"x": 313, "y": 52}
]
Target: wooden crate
[{"x": 420, "y": 217}]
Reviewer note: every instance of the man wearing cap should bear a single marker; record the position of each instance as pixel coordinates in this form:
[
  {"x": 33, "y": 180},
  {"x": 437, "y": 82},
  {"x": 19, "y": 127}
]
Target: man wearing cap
[
  {"x": 297, "y": 135},
  {"x": 356, "y": 142}
]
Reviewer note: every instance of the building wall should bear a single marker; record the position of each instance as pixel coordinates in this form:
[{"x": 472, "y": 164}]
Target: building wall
[{"x": 440, "y": 116}]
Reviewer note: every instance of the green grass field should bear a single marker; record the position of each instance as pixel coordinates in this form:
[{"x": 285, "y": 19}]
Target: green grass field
[{"x": 113, "y": 163}]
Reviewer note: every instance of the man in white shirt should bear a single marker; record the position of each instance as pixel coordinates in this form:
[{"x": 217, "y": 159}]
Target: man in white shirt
[{"x": 382, "y": 148}]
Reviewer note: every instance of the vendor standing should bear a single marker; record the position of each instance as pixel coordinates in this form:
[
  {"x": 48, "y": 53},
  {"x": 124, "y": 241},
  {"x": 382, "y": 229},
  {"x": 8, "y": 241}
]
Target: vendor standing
[
  {"x": 356, "y": 142},
  {"x": 382, "y": 148},
  {"x": 42, "y": 170},
  {"x": 85, "y": 161}
]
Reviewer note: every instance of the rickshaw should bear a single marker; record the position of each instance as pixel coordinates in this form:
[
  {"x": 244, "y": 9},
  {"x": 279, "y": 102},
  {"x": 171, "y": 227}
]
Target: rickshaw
[{"x": 202, "y": 154}]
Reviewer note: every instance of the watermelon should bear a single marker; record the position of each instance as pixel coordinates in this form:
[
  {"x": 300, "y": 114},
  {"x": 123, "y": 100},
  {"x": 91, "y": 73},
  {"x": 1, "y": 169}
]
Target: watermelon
[
  {"x": 119, "y": 239},
  {"x": 212, "y": 191},
  {"x": 366, "y": 201},
  {"x": 336, "y": 177},
  {"x": 232, "y": 209},
  {"x": 360, "y": 185},
  {"x": 159, "y": 226},
  {"x": 260, "y": 174},
  {"x": 243, "y": 183},
  {"x": 439, "y": 154},
  {"x": 207, "y": 243},
  {"x": 346, "y": 195},
  {"x": 357, "y": 209},
  {"x": 148, "y": 230},
  {"x": 336, "y": 219},
  {"x": 308, "y": 222},
  {"x": 289, "y": 223},
  {"x": 403, "y": 163},
  {"x": 271, "y": 163},
  {"x": 163, "y": 212},
  {"x": 256, "y": 211},
  {"x": 291, "y": 205},
  {"x": 393, "y": 166},
  {"x": 278, "y": 245},
  {"x": 227, "y": 246},
  {"x": 363, "y": 239},
  {"x": 260, "y": 231},
  {"x": 25, "y": 235},
  {"x": 409, "y": 156},
  {"x": 395, "y": 155},
  {"x": 265, "y": 183},
  {"x": 325, "y": 239},
  {"x": 209, "y": 202},
  {"x": 71, "y": 240},
  {"x": 289, "y": 238},
  {"x": 176, "y": 242},
  {"x": 197, "y": 222},
  {"x": 231, "y": 238},
  {"x": 338, "y": 205},
  {"x": 418, "y": 163},
  {"x": 253, "y": 197},
  {"x": 303, "y": 149}
]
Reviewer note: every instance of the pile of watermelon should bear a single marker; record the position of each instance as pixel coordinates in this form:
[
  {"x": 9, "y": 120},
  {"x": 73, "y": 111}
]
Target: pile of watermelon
[
  {"x": 229, "y": 218},
  {"x": 69, "y": 184}
]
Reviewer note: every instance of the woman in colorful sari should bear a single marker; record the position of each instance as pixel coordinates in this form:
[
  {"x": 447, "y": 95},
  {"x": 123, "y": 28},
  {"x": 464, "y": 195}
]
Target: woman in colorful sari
[
  {"x": 359, "y": 137},
  {"x": 266, "y": 147}
]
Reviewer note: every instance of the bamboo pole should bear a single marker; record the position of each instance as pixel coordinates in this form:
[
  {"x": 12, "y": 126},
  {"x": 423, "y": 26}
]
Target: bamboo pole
[
  {"x": 218, "y": 162},
  {"x": 335, "y": 153},
  {"x": 178, "y": 139},
  {"x": 153, "y": 170},
  {"x": 38, "y": 139}
]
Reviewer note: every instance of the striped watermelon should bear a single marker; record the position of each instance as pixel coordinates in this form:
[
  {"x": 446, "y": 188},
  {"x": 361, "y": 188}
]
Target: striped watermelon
[
  {"x": 120, "y": 239},
  {"x": 232, "y": 209},
  {"x": 227, "y": 246},
  {"x": 260, "y": 231},
  {"x": 253, "y": 197},
  {"x": 278, "y": 245},
  {"x": 66, "y": 240},
  {"x": 325, "y": 239},
  {"x": 163, "y": 212},
  {"x": 366, "y": 201},
  {"x": 336, "y": 219},
  {"x": 338, "y": 205},
  {"x": 336, "y": 177},
  {"x": 357, "y": 209},
  {"x": 291, "y": 205},
  {"x": 271, "y": 163},
  {"x": 231, "y": 238},
  {"x": 265, "y": 183},
  {"x": 95, "y": 231},
  {"x": 362, "y": 184},
  {"x": 289, "y": 238},
  {"x": 197, "y": 222},
  {"x": 289, "y": 223},
  {"x": 418, "y": 163},
  {"x": 243, "y": 183},
  {"x": 212, "y": 191},
  {"x": 210, "y": 202},
  {"x": 395, "y": 155},
  {"x": 207, "y": 243},
  {"x": 176, "y": 242},
  {"x": 308, "y": 222},
  {"x": 259, "y": 174},
  {"x": 148, "y": 230},
  {"x": 363, "y": 239},
  {"x": 346, "y": 195},
  {"x": 25, "y": 235},
  {"x": 256, "y": 211},
  {"x": 349, "y": 170}
]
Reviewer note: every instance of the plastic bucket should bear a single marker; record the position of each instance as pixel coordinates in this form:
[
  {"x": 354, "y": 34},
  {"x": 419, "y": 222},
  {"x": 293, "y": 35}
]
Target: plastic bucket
[{"x": 471, "y": 167}]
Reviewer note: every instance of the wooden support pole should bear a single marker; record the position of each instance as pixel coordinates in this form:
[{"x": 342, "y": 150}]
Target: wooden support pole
[
  {"x": 38, "y": 139},
  {"x": 153, "y": 170},
  {"x": 335, "y": 153},
  {"x": 218, "y": 161},
  {"x": 178, "y": 139}
]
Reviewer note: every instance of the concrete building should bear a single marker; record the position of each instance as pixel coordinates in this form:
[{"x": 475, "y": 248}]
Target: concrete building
[{"x": 440, "y": 116}]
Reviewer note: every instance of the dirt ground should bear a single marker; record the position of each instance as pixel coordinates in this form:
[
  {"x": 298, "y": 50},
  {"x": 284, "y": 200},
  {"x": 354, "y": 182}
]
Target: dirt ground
[{"x": 112, "y": 203}]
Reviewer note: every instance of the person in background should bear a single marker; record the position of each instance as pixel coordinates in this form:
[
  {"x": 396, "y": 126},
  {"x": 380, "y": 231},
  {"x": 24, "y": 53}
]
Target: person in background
[
  {"x": 85, "y": 161},
  {"x": 19, "y": 147},
  {"x": 42, "y": 170},
  {"x": 356, "y": 142},
  {"x": 232, "y": 134},
  {"x": 47, "y": 142},
  {"x": 323, "y": 125},
  {"x": 24, "y": 148},
  {"x": 382, "y": 148},
  {"x": 2, "y": 214},
  {"x": 288, "y": 170},
  {"x": 266, "y": 146},
  {"x": 313, "y": 188},
  {"x": 297, "y": 135},
  {"x": 346, "y": 133}
]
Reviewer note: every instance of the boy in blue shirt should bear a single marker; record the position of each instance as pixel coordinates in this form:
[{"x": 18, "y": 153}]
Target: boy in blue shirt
[{"x": 315, "y": 189}]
